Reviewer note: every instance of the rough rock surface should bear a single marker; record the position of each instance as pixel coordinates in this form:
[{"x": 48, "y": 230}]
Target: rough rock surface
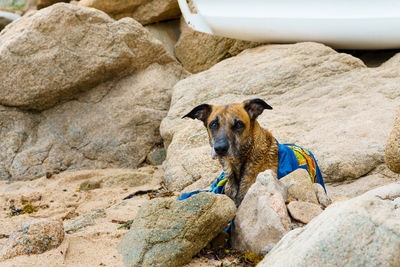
[
  {"x": 363, "y": 231},
  {"x": 299, "y": 186},
  {"x": 33, "y": 237},
  {"x": 169, "y": 232},
  {"x": 392, "y": 153},
  {"x": 6, "y": 18},
  {"x": 199, "y": 51},
  {"x": 312, "y": 90},
  {"x": 262, "y": 218},
  {"x": 45, "y": 3},
  {"x": 38, "y": 48},
  {"x": 303, "y": 211},
  {"x": 144, "y": 11},
  {"x": 118, "y": 75}
]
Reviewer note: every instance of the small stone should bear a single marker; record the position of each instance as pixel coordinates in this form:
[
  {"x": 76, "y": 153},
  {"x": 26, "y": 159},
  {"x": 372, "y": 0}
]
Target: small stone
[
  {"x": 86, "y": 220},
  {"x": 33, "y": 237},
  {"x": 300, "y": 186},
  {"x": 156, "y": 157},
  {"x": 303, "y": 211}
]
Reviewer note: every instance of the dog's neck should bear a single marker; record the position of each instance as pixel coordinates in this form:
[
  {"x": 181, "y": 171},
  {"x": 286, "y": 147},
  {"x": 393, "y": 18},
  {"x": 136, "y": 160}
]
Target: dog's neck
[{"x": 261, "y": 155}]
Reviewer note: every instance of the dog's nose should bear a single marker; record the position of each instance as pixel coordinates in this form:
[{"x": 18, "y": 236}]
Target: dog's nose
[{"x": 221, "y": 147}]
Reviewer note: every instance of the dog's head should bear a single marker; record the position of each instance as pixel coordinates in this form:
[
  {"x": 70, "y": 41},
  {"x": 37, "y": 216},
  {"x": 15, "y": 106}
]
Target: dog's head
[{"x": 230, "y": 127}]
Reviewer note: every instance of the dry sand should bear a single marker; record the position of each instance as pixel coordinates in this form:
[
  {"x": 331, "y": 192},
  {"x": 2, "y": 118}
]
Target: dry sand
[{"x": 60, "y": 198}]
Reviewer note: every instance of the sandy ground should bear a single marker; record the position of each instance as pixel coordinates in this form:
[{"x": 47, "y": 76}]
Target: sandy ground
[{"x": 59, "y": 197}]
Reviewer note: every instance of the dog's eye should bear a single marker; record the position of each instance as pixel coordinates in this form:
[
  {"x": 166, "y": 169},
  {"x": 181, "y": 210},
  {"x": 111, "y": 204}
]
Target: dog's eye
[
  {"x": 214, "y": 125},
  {"x": 238, "y": 125}
]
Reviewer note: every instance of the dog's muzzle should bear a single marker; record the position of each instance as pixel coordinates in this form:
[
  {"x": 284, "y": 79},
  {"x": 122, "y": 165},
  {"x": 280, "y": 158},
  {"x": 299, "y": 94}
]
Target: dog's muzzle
[{"x": 221, "y": 147}]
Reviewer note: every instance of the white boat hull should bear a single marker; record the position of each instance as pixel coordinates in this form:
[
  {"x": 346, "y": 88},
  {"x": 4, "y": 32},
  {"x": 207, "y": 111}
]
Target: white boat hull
[{"x": 351, "y": 24}]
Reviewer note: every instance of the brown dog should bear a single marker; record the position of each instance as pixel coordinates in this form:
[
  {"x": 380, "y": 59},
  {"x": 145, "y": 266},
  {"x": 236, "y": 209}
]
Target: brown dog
[{"x": 242, "y": 146}]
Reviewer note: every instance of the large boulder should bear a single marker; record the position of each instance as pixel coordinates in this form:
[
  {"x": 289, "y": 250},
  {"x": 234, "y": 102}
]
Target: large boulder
[
  {"x": 63, "y": 50},
  {"x": 168, "y": 232},
  {"x": 118, "y": 75},
  {"x": 199, "y": 51},
  {"x": 262, "y": 219},
  {"x": 33, "y": 237},
  {"x": 364, "y": 231},
  {"x": 144, "y": 11},
  {"x": 312, "y": 89},
  {"x": 392, "y": 153}
]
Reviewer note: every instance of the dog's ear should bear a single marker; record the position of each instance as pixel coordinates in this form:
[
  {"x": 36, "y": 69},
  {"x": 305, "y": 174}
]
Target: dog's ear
[
  {"x": 255, "y": 107},
  {"x": 200, "y": 112}
]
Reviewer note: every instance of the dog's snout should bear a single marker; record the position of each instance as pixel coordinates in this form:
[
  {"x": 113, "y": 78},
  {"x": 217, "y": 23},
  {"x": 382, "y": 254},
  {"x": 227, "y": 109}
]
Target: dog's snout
[{"x": 221, "y": 147}]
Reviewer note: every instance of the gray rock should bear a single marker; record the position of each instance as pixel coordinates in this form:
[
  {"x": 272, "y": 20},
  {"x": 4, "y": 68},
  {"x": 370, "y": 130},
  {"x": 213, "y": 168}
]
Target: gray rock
[
  {"x": 156, "y": 157},
  {"x": 262, "y": 219},
  {"x": 392, "y": 153},
  {"x": 34, "y": 237},
  {"x": 312, "y": 90},
  {"x": 6, "y": 18},
  {"x": 363, "y": 231},
  {"x": 84, "y": 221},
  {"x": 168, "y": 232},
  {"x": 299, "y": 186}
]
